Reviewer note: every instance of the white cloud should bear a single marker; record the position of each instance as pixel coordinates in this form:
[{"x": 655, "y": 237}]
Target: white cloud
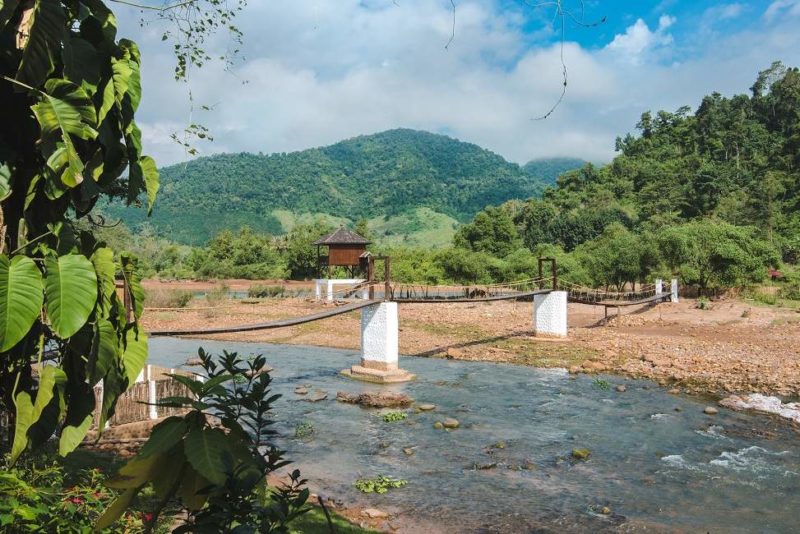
[
  {"x": 638, "y": 40},
  {"x": 782, "y": 7},
  {"x": 323, "y": 70}
]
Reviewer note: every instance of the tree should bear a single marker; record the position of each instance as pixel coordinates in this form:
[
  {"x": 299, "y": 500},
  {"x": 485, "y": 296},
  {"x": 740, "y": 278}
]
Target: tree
[
  {"x": 491, "y": 231},
  {"x": 614, "y": 258},
  {"x": 714, "y": 254},
  {"x": 69, "y": 89},
  {"x": 301, "y": 254}
]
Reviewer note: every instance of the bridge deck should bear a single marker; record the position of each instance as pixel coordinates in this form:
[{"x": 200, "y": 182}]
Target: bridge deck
[
  {"x": 280, "y": 323},
  {"x": 620, "y": 303},
  {"x": 456, "y": 300}
]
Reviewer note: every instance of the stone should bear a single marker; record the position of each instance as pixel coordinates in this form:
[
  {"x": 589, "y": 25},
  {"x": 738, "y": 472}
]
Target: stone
[
  {"x": 499, "y": 445},
  {"x": 581, "y": 454},
  {"x": 193, "y": 362},
  {"x": 763, "y": 403},
  {"x": 426, "y": 407},
  {"x": 710, "y": 410},
  {"x": 674, "y": 391},
  {"x": 408, "y": 451},
  {"x": 450, "y": 423},
  {"x": 376, "y": 400},
  {"x": 622, "y": 389},
  {"x": 454, "y": 353},
  {"x": 374, "y": 513},
  {"x": 317, "y": 396},
  {"x": 605, "y": 510},
  {"x": 301, "y": 390},
  {"x": 593, "y": 366},
  {"x": 678, "y": 409},
  {"x": 438, "y": 425},
  {"x": 575, "y": 369}
]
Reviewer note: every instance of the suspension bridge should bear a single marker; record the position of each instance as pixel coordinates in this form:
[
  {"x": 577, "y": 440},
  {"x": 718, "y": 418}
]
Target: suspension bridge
[{"x": 378, "y": 303}]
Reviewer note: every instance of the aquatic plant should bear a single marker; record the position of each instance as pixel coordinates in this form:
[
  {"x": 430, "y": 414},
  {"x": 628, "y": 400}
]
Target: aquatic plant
[
  {"x": 599, "y": 383},
  {"x": 303, "y": 430},
  {"x": 393, "y": 417},
  {"x": 380, "y": 484}
]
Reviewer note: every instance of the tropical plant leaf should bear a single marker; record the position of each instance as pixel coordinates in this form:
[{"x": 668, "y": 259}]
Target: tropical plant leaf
[
  {"x": 134, "y": 355},
  {"x": 104, "y": 266},
  {"x": 131, "y": 274},
  {"x": 105, "y": 17},
  {"x": 46, "y": 30},
  {"x": 104, "y": 352},
  {"x": 190, "y": 490},
  {"x": 65, "y": 108},
  {"x": 20, "y": 298},
  {"x": 136, "y": 472},
  {"x": 81, "y": 63},
  {"x": 165, "y": 435},
  {"x": 5, "y": 179},
  {"x": 70, "y": 291},
  {"x": 71, "y": 436},
  {"x": 24, "y": 420},
  {"x": 207, "y": 451},
  {"x": 146, "y": 173},
  {"x": 117, "y": 508}
]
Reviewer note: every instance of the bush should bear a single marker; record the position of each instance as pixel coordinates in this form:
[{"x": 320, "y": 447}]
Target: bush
[
  {"x": 218, "y": 295},
  {"x": 167, "y": 298},
  {"x": 260, "y": 291}
]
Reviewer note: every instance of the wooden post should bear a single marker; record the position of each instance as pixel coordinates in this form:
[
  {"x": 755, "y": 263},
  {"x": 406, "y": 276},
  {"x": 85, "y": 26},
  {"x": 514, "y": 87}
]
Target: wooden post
[{"x": 371, "y": 277}]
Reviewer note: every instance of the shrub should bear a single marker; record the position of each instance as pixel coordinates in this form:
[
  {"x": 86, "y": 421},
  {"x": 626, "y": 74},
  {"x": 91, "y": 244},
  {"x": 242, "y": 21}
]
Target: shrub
[
  {"x": 218, "y": 295},
  {"x": 260, "y": 291},
  {"x": 167, "y": 298}
]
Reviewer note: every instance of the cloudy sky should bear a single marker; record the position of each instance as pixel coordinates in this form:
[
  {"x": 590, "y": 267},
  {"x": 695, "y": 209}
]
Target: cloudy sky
[{"x": 312, "y": 72}]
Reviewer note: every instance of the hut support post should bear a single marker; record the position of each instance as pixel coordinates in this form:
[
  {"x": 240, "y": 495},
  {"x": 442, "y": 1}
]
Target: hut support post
[{"x": 550, "y": 314}]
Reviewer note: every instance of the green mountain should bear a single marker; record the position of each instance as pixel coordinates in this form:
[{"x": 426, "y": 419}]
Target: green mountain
[
  {"x": 548, "y": 169},
  {"x": 378, "y": 177}
]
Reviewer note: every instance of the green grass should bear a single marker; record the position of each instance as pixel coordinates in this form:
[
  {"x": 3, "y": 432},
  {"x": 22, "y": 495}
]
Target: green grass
[
  {"x": 290, "y": 219},
  {"x": 421, "y": 227},
  {"x": 314, "y": 522}
]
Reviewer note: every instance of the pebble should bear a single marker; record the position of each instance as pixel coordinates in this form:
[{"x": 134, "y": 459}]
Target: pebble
[
  {"x": 450, "y": 423},
  {"x": 622, "y": 388},
  {"x": 301, "y": 390},
  {"x": 426, "y": 407},
  {"x": 710, "y": 410},
  {"x": 605, "y": 510},
  {"x": 438, "y": 425},
  {"x": 374, "y": 513},
  {"x": 674, "y": 391},
  {"x": 408, "y": 451}
]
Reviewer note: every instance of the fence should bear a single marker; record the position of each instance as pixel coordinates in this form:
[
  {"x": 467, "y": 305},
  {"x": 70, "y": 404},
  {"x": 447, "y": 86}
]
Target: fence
[{"x": 138, "y": 403}]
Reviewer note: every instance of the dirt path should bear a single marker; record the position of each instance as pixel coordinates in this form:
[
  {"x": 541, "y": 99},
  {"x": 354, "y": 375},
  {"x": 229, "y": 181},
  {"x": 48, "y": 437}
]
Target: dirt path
[{"x": 732, "y": 347}]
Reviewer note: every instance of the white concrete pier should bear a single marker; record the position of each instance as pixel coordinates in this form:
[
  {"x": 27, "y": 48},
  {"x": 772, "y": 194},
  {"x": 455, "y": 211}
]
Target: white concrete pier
[
  {"x": 379, "y": 346},
  {"x": 550, "y": 314},
  {"x": 328, "y": 285},
  {"x": 674, "y": 290}
]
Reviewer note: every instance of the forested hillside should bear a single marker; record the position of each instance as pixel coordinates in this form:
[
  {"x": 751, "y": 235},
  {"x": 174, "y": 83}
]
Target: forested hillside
[
  {"x": 549, "y": 169},
  {"x": 386, "y": 174}
]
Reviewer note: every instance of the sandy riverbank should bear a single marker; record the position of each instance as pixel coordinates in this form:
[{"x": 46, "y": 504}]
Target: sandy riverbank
[{"x": 731, "y": 347}]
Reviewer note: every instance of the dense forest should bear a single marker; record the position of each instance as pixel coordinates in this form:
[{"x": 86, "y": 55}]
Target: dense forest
[{"x": 386, "y": 174}]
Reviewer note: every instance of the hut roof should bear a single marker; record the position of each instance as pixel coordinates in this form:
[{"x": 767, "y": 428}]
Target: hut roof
[{"x": 342, "y": 236}]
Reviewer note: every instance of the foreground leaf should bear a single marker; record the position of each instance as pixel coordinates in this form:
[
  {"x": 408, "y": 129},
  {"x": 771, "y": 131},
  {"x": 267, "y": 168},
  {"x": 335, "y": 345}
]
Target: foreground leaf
[
  {"x": 71, "y": 293},
  {"x": 20, "y": 298}
]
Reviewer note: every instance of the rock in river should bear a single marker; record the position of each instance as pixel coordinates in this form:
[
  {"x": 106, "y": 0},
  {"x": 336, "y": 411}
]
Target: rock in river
[
  {"x": 581, "y": 454},
  {"x": 426, "y": 407},
  {"x": 710, "y": 410},
  {"x": 622, "y": 389},
  {"x": 376, "y": 400},
  {"x": 450, "y": 423}
]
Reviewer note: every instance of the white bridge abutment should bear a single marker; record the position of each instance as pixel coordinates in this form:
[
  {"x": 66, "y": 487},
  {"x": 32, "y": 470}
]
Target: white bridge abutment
[
  {"x": 674, "y": 290},
  {"x": 550, "y": 314},
  {"x": 659, "y": 286},
  {"x": 379, "y": 346}
]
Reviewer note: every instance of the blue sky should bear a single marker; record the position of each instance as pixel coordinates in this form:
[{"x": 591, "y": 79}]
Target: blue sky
[{"x": 313, "y": 72}]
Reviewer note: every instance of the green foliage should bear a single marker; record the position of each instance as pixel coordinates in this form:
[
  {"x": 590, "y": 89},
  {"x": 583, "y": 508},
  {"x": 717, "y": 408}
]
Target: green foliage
[
  {"x": 303, "y": 430},
  {"x": 491, "y": 231},
  {"x": 300, "y": 253},
  {"x": 243, "y": 255},
  {"x": 547, "y": 170},
  {"x": 599, "y": 383},
  {"x": 384, "y": 174},
  {"x": 260, "y": 291},
  {"x": 393, "y": 417},
  {"x": 379, "y": 484},
  {"x": 218, "y": 295},
  {"x": 219, "y": 474},
  {"x": 703, "y": 304},
  {"x": 67, "y": 140}
]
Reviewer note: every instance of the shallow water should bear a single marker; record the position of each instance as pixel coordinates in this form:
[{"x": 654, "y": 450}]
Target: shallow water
[{"x": 656, "y": 468}]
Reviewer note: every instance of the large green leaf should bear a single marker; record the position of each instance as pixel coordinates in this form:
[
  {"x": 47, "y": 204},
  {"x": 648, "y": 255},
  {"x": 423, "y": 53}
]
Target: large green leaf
[
  {"x": 207, "y": 451},
  {"x": 131, "y": 273},
  {"x": 104, "y": 266},
  {"x": 5, "y": 179},
  {"x": 46, "y": 30},
  {"x": 104, "y": 351},
  {"x": 71, "y": 436},
  {"x": 117, "y": 508},
  {"x": 70, "y": 291},
  {"x": 24, "y": 420},
  {"x": 164, "y": 436},
  {"x": 20, "y": 298},
  {"x": 135, "y": 354},
  {"x": 81, "y": 63},
  {"x": 65, "y": 108},
  {"x": 145, "y": 172}
]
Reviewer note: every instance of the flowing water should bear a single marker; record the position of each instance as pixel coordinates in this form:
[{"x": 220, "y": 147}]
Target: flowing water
[{"x": 657, "y": 462}]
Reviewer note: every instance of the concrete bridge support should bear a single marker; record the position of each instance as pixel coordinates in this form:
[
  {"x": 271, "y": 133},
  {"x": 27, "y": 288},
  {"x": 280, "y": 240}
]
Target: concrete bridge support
[
  {"x": 659, "y": 286},
  {"x": 550, "y": 314},
  {"x": 674, "y": 289},
  {"x": 379, "y": 346}
]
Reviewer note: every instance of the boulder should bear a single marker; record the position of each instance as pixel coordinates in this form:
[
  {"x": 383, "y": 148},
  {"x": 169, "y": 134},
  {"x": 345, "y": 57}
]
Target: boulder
[
  {"x": 710, "y": 410},
  {"x": 376, "y": 400},
  {"x": 374, "y": 513}
]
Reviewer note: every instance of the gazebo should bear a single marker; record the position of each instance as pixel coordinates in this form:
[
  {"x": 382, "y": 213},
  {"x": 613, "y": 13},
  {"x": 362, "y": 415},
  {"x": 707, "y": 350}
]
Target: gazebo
[{"x": 345, "y": 249}]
